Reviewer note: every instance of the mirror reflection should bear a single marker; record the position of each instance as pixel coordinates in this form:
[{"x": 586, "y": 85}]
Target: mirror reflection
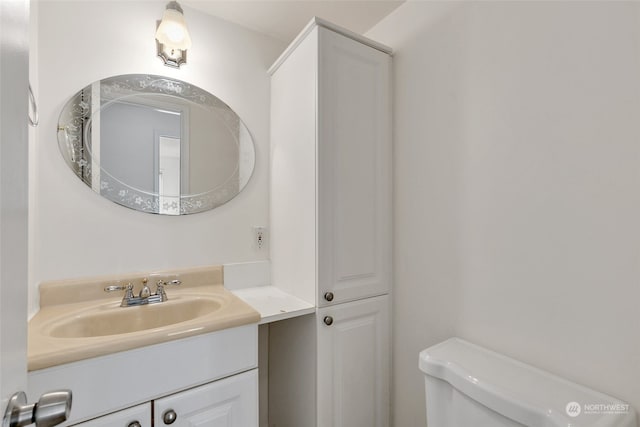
[{"x": 156, "y": 144}]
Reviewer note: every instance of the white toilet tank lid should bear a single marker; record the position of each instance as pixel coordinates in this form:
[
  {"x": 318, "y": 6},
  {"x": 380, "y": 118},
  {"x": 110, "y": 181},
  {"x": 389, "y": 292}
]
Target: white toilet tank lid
[{"x": 521, "y": 392}]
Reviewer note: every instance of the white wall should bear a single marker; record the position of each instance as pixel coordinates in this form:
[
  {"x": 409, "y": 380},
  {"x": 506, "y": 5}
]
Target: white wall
[
  {"x": 74, "y": 232},
  {"x": 517, "y": 187}
]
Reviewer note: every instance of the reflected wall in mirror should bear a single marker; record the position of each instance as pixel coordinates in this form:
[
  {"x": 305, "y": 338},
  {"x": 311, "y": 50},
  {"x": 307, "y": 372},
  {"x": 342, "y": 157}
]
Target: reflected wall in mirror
[{"x": 156, "y": 144}]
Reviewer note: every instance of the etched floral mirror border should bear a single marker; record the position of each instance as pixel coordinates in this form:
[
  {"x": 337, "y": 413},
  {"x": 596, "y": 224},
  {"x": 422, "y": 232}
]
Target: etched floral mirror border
[{"x": 73, "y": 129}]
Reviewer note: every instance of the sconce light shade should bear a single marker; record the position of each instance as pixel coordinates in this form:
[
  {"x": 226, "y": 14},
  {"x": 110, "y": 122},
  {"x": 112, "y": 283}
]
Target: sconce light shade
[{"x": 172, "y": 36}]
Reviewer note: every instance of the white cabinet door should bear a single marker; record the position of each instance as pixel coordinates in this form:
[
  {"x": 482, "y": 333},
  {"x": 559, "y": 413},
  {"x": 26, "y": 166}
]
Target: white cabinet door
[
  {"x": 354, "y": 169},
  {"x": 137, "y": 416},
  {"x": 231, "y": 402},
  {"x": 353, "y": 364}
]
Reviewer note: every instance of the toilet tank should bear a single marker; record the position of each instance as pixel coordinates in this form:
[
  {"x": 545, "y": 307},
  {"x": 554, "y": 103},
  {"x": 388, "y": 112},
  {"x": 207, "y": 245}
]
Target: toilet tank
[{"x": 470, "y": 386}]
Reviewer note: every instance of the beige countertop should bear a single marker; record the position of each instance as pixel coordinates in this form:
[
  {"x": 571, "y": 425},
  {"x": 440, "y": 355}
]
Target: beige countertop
[{"x": 199, "y": 305}]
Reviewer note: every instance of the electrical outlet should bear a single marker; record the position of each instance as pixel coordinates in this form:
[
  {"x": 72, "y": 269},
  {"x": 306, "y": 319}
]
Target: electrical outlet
[{"x": 259, "y": 237}]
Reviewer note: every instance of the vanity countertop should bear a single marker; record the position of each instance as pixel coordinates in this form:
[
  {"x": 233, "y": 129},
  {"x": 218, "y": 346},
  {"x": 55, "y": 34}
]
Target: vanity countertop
[{"x": 78, "y": 320}]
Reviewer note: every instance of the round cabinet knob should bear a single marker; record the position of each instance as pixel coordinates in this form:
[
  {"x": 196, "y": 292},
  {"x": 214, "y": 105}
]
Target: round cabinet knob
[
  {"x": 328, "y": 296},
  {"x": 169, "y": 416},
  {"x": 328, "y": 320},
  {"x": 134, "y": 424}
]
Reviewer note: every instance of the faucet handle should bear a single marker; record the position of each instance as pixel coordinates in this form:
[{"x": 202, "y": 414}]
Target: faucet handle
[
  {"x": 128, "y": 292},
  {"x": 161, "y": 283},
  {"x": 113, "y": 288}
]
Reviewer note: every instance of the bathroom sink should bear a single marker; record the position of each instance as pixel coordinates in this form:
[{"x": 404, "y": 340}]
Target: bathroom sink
[
  {"x": 114, "y": 320},
  {"x": 79, "y": 320}
]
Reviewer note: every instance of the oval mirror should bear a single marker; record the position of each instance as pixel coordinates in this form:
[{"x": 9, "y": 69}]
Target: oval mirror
[{"x": 156, "y": 144}]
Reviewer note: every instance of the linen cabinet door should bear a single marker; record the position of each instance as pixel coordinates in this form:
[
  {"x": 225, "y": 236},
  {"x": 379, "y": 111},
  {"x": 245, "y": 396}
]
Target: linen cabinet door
[
  {"x": 354, "y": 364},
  {"x": 230, "y": 402},
  {"x": 137, "y": 416},
  {"x": 354, "y": 170}
]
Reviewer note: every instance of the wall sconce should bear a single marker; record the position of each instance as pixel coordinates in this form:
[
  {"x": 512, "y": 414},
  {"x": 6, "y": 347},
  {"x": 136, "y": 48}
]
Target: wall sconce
[{"x": 172, "y": 37}]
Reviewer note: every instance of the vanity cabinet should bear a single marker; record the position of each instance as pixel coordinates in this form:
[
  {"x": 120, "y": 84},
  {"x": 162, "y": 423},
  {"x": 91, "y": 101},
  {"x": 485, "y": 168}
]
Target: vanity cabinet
[
  {"x": 230, "y": 402},
  {"x": 218, "y": 368},
  {"x": 331, "y": 229}
]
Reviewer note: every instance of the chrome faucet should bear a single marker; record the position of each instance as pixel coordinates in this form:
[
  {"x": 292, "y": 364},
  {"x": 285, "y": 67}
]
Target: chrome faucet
[
  {"x": 145, "y": 296},
  {"x": 145, "y": 292}
]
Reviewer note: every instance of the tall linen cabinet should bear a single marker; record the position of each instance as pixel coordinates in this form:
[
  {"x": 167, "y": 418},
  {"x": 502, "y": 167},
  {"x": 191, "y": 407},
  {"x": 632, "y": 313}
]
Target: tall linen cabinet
[{"x": 331, "y": 229}]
